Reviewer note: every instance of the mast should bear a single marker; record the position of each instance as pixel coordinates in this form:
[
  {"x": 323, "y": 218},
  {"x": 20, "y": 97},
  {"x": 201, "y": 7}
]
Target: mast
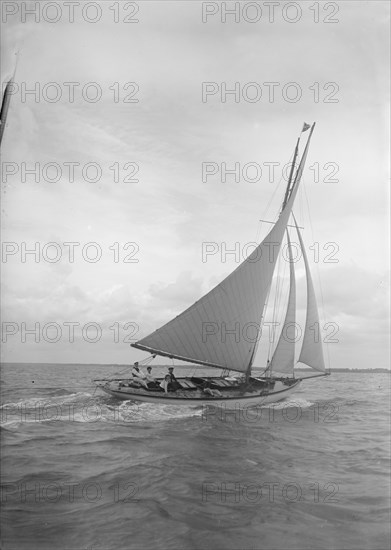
[
  {"x": 300, "y": 169},
  {"x": 290, "y": 190},
  {"x": 291, "y": 173},
  {"x": 218, "y": 329}
]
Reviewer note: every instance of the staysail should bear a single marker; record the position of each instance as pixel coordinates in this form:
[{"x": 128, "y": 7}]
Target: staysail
[
  {"x": 283, "y": 359},
  {"x": 222, "y": 328},
  {"x": 312, "y": 350}
]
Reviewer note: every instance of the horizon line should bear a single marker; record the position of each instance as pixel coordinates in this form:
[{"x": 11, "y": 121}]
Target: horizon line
[{"x": 184, "y": 366}]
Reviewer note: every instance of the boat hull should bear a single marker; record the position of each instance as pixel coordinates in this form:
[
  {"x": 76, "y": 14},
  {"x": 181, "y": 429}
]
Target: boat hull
[{"x": 249, "y": 400}]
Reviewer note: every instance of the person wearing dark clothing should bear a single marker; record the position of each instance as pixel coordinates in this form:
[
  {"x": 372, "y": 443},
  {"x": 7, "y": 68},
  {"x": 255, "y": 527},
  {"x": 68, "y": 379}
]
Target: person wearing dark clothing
[{"x": 173, "y": 383}]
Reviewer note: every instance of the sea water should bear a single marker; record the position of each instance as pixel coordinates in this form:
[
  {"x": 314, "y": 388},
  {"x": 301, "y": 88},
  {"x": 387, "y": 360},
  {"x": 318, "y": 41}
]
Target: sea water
[{"x": 83, "y": 470}]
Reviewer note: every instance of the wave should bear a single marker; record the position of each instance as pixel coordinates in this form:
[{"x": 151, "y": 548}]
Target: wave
[
  {"x": 289, "y": 402},
  {"x": 49, "y": 401},
  {"x": 82, "y": 407},
  {"x": 140, "y": 412}
]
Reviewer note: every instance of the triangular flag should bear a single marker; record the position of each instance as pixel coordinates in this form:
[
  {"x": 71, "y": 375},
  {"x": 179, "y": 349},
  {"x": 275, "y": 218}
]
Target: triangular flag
[{"x": 305, "y": 127}]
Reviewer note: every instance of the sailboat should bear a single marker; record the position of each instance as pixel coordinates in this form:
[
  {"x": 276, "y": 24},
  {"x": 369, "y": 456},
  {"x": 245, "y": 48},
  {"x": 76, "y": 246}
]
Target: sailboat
[{"x": 222, "y": 330}]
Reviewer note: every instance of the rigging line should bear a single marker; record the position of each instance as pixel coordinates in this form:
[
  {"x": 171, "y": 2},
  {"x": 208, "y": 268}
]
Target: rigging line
[
  {"x": 288, "y": 225},
  {"x": 300, "y": 199},
  {"x": 318, "y": 276},
  {"x": 263, "y": 314},
  {"x": 279, "y": 317},
  {"x": 271, "y": 340},
  {"x": 281, "y": 287},
  {"x": 276, "y": 299},
  {"x": 264, "y": 214},
  {"x": 142, "y": 363},
  {"x": 194, "y": 371},
  {"x": 281, "y": 283},
  {"x": 279, "y": 312},
  {"x": 258, "y": 234}
]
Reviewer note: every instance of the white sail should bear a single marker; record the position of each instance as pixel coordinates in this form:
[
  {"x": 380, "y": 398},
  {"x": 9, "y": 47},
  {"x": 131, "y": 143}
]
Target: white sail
[
  {"x": 312, "y": 350},
  {"x": 221, "y": 329},
  {"x": 283, "y": 359}
]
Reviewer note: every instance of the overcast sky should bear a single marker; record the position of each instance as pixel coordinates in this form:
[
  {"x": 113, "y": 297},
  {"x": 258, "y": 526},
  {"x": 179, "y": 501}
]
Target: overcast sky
[{"x": 340, "y": 72}]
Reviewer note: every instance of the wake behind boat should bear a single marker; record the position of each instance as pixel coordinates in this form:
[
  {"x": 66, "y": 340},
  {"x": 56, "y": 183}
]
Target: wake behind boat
[{"x": 222, "y": 330}]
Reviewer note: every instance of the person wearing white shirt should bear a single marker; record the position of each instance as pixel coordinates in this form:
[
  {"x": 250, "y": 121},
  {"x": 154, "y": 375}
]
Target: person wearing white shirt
[
  {"x": 148, "y": 375},
  {"x": 164, "y": 383},
  {"x": 139, "y": 376}
]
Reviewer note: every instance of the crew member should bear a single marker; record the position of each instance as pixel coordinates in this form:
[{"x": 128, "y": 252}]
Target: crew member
[
  {"x": 150, "y": 380},
  {"x": 174, "y": 384},
  {"x": 139, "y": 376}
]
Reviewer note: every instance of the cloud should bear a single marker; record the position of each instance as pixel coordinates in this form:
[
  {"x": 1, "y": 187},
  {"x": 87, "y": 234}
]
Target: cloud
[
  {"x": 169, "y": 133},
  {"x": 357, "y": 292}
]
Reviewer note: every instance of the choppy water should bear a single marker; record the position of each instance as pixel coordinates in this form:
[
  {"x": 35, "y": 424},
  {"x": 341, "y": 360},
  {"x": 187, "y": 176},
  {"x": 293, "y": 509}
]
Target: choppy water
[{"x": 82, "y": 470}]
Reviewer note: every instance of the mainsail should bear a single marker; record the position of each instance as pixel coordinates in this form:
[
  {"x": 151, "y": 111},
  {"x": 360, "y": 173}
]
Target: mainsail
[
  {"x": 283, "y": 359},
  {"x": 222, "y": 328},
  {"x": 312, "y": 350}
]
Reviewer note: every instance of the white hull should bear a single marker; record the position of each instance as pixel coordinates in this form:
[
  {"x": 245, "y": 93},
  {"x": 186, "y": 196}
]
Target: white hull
[{"x": 280, "y": 392}]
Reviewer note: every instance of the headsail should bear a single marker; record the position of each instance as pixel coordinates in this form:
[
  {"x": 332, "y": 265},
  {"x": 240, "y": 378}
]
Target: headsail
[
  {"x": 221, "y": 329},
  {"x": 312, "y": 350},
  {"x": 283, "y": 359}
]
